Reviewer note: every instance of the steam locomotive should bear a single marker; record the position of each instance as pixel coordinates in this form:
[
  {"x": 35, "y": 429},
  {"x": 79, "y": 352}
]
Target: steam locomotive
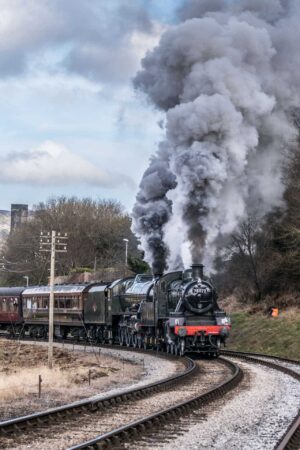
[{"x": 176, "y": 312}]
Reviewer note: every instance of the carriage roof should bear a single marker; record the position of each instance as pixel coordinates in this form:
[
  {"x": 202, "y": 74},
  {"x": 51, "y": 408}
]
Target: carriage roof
[
  {"x": 11, "y": 291},
  {"x": 58, "y": 289}
]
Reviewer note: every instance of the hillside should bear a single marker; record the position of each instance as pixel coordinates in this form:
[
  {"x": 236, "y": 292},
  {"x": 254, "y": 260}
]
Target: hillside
[{"x": 264, "y": 334}]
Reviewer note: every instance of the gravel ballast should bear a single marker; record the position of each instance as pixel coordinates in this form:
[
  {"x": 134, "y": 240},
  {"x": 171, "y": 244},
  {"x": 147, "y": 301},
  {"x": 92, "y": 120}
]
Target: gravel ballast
[
  {"x": 87, "y": 426},
  {"x": 253, "y": 419}
]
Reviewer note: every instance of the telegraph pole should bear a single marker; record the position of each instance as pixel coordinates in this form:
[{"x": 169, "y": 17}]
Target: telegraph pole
[
  {"x": 57, "y": 243},
  {"x": 51, "y": 300}
]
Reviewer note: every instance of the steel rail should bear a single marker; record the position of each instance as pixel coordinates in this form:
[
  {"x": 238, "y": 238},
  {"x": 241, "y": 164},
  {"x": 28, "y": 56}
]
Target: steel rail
[
  {"x": 263, "y": 355},
  {"x": 134, "y": 429},
  {"x": 256, "y": 359},
  {"x": 20, "y": 424},
  {"x": 291, "y": 438}
]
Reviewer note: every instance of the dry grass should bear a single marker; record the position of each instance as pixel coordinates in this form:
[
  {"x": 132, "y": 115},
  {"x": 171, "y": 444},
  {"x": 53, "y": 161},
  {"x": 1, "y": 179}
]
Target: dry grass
[
  {"x": 22, "y": 363},
  {"x": 25, "y": 382},
  {"x": 231, "y": 304},
  {"x": 286, "y": 302}
]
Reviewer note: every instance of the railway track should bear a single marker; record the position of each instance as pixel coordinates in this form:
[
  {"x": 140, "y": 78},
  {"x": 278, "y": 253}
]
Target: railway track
[
  {"x": 147, "y": 425},
  {"x": 291, "y": 438},
  {"x": 22, "y": 426}
]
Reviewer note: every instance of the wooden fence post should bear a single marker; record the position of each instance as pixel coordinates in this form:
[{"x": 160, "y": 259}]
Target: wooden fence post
[{"x": 40, "y": 385}]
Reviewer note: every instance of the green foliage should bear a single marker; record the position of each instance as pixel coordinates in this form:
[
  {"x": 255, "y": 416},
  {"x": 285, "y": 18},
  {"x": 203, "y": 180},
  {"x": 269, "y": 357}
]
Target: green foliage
[{"x": 137, "y": 265}]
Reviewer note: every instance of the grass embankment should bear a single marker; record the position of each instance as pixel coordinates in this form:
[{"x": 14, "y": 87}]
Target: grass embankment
[{"x": 263, "y": 334}]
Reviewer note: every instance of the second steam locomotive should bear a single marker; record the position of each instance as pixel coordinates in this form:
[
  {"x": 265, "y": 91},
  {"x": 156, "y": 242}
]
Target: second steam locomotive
[{"x": 176, "y": 312}]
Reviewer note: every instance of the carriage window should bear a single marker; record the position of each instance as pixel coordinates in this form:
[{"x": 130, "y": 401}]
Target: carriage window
[
  {"x": 40, "y": 302},
  {"x": 69, "y": 302},
  {"x": 76, "y": 302},
  {"x": 13, "y": 304},
  {"x": 4, "y": 304},
  {"x": 55, "y": 303},
  {"x": 34, "y": 303},
  {"x": 61, "y": 302},
  {"x": 28, "y": 303},
  {"x": 45, "y": 303}
]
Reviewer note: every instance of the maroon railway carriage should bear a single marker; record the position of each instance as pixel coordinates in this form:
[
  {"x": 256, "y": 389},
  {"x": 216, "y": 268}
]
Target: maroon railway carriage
[
  {"x": 69, "y": 302},
  {"x": 11, "y": 309}
]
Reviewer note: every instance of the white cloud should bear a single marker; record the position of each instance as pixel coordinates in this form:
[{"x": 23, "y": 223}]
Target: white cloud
[
  {"x": 99, "y": 129},
  {"x": 54, "y": 164},
  {"x": 98, "y": 40}
]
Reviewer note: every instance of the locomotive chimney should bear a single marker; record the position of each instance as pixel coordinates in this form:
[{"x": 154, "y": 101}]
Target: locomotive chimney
[
  {"x": 157, "y": 274},
  {"x": 197, "y": 271}
]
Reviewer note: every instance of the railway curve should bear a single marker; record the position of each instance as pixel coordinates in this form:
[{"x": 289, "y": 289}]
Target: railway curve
[{"x": 291, "y": 437}]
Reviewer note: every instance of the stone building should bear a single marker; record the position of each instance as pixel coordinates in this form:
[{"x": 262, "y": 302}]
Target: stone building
[{"x": 18, "y": 215}]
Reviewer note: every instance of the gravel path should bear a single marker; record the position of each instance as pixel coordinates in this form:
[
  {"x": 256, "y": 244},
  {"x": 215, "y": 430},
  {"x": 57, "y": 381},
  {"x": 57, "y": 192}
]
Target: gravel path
[
  {"x": 88, "y": 426},
  {"x": 254, "y": 419}
]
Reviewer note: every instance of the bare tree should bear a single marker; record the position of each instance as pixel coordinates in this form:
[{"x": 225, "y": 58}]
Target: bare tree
[
  {"x": 264, "y": 254},
  {"x": 95, "y": 228},
  {"x": 244, "y": 243}
]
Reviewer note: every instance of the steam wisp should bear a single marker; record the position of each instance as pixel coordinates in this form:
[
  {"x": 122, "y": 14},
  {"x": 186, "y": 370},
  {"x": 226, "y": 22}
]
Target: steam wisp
[{"x": 228, "y": 79}]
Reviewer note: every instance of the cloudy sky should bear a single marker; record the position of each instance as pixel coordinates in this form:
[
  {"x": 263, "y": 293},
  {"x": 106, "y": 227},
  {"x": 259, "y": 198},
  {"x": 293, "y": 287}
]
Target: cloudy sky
[{"x": 70, "y": 120}]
